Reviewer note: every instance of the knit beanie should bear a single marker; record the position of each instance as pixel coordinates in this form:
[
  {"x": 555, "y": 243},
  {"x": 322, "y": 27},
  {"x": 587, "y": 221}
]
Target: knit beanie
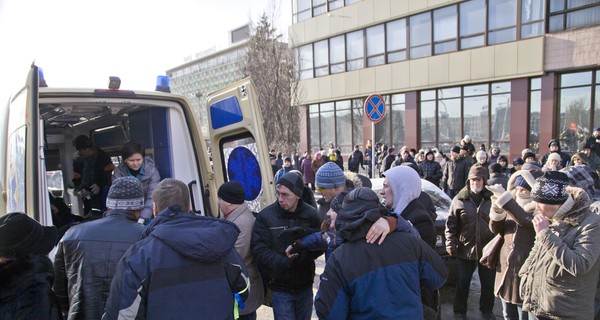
[
  {"x": 495, "y": 168},
  {"x": 481, "y": 154},
  {"x": 455, "y": 149},
  {"x": 330, "y": 176},
  {"x": 517, "y": 161},
  {"x": 551, "y": 188},
  {"x": 553, "y": 156},
  {"x": 232, "y": 192},
  {"x": 125, "y": 193},
  {"x": 529, "y": 155},
  {"x": 293, "y": 181},
  {"x": 21, "y": 235},
  {"x": 521, "y": 182}
]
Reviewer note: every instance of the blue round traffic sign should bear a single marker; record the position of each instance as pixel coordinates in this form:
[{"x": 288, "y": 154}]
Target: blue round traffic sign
[{"x": 374, "y": 107}]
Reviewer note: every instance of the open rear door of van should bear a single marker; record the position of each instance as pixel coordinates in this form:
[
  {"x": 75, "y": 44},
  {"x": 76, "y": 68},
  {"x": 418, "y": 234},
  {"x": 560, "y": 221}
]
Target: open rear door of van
[
  {"x": 238, "y": 143},
  {"x": 25, "y": 172}
]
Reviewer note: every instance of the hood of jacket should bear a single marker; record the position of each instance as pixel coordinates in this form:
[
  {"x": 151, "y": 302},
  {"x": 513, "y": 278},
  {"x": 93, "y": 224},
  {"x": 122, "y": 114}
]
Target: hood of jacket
[
  {"x": 195, "y": 237},
  {"x": 557, "y": 143},
  {"x": 405, "y": 184},
  {"x": 575, "y": 209},
  {"x": 19, "y": 274}
]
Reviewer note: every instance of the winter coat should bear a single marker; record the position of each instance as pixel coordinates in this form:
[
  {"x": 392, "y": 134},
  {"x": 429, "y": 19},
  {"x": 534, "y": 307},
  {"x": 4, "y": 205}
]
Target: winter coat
[
  {"x": 421, "y": 220},
  {"x": 467, "y": 229},
  {"x": 498, "y": 178},
  {"x": 362, "y": 281},
  {"x": 86, "y": 260},
  {"x": 280, "y": 272},
  {"x": 355, "y": 160},
  {"x": 514, "y": 223},
  {"x": 456, "y": 173},
  {"x": 281, "y": 172},
  {"x": 558, "y": 279},
  {"x": 244, "y": 220},
  {"x": 26, "y": 289},
  {"x": 148, "y": 176},
  {"x": 432, "y": 171},
  {"x": 316, "y": 164},
  {"x": 580, "y": 175},
  {"x": 308, "y": 174},
  {"x": 185, "y": 266},
  {"x": 564, "y": 157}
]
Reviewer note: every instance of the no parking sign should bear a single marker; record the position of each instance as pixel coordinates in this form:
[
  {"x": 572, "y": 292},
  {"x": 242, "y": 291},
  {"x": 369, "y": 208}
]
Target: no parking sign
[{"x": 374, "y": 107}]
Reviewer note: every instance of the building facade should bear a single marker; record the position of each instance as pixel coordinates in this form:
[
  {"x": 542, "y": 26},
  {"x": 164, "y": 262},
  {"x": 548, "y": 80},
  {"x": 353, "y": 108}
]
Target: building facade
[
  {"x": 509, "y": 73},
  {"x": 210, "y": 71}
]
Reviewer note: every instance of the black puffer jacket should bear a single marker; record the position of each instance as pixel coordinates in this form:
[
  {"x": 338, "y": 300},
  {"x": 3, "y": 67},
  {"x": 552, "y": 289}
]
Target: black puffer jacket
[
  {"x": 467, "y": 227},
  {"x": 281, "y": 273},
  {"x": 26, "y": 290},
  {"x": 86, "y": 260},
  {"x": 432, "y": 171}
]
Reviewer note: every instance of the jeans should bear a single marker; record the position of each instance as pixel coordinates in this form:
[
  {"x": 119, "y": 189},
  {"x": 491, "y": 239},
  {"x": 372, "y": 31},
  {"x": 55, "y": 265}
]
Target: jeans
[
  {"x": 463, "y": 282},
  {"x": 512, "y": 311},
  {"x": 292, "y": 306}
]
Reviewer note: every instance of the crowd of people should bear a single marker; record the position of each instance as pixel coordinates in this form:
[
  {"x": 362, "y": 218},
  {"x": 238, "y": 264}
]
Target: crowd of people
[{"x": 149, "y": 257}]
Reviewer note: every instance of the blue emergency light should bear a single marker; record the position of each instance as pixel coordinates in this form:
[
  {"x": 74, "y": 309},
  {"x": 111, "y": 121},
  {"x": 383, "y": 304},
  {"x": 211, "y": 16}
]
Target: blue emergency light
[
  {"x": 163, "y": 84},
  {"x": 42, "y": 80}
]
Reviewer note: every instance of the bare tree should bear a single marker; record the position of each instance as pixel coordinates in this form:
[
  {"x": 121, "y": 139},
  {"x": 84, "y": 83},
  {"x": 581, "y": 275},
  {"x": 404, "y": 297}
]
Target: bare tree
[{"x": 271, "y": 64}]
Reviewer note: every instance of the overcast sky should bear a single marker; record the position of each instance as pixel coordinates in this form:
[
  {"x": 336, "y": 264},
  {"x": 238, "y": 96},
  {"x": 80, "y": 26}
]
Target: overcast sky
[{"x": 80, "y": 43}]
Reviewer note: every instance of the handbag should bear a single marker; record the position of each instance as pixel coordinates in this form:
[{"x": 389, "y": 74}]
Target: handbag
[{"x": 491, "y": 252}]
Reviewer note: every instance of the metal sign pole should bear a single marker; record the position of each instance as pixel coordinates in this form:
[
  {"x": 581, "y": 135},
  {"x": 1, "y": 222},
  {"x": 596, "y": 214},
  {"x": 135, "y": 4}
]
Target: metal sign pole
[{"x": 373, "y": 149}]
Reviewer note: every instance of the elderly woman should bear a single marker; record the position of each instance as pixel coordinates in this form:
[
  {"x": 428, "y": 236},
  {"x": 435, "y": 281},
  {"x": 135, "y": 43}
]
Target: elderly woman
[{"x": 137, "y": 164}]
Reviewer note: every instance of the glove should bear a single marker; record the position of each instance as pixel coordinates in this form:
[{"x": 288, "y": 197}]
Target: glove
[
  {"x": 496, "y": 189},
  {"x": 494, "y": 205},
  {"x": 95, "y": 188}
]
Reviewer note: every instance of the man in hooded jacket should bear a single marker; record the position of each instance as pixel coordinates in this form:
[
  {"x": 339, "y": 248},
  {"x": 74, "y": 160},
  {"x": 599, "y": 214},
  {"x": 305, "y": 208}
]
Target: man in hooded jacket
[
  {"x": 375, "y": 282},
  {"x": 185, "y": 266}
]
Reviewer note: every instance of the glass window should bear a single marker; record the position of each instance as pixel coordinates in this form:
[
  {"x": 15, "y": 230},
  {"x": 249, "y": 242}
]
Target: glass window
[
  {"x": 500, "y": 110},
  {"x": 337, "y": 58},
  {"x": 535, "y": 107},
  {"x": 396, "y": 40},
  {"x": 532, "y": 18},
  {"x": 557, "y": 5},
  {"x": 305, "y": 61},
  {"x": 597, "y": 108},
  {"x": 445, "y": 27},
  {"x": 327, "y": 124},
  {"x": 449, "y": 120},
  {"x": 375, "y": 45},
  {"x": 319, "y": 7},
  {"x": 351, "y": 1},
  {"x": 428, "y": 122},
  {"x": 321, "y": 52},
  {"x": 335, "y": 4},
  {"x": 355, "y": 50},
  {"x": 579, "y": 3},
  {"x": 476, "y": 90},
  {"x": 577, "y": 14},
  {"x": 420, "y": 35},
  {"x": 315, "y": 141},
  {"x": 472, "y": 24},
  {"x": 397, "y": 117},
  {"x": 357, "y": 122},
  {"x": 576, "y": 79},
  {"x": 502, "y": 18},
  {"x": 302, "y": 11},
  {"x": 343, "y": 116},
  {"x": 582, "y": 18},
  {"x": 574, "y": 116},
  {"x": 475, "y": 118}
]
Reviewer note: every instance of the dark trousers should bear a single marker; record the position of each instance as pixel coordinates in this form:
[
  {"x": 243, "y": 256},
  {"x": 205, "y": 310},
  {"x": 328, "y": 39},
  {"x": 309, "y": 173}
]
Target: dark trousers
[{"x": 486, "y": 279}]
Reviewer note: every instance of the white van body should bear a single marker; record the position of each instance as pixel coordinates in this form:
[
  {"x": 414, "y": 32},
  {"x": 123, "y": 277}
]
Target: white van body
[{"x": 39, "y": 124}]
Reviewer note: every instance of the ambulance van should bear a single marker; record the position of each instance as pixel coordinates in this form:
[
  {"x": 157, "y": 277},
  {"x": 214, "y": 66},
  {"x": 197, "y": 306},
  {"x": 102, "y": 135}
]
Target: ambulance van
[{"x": 39, "y": 124}]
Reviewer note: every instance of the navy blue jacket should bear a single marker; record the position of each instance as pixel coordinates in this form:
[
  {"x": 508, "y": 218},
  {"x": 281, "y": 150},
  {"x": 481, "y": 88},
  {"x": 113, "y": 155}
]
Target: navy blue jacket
[
  {"x": 184, "y": 268},
  {"x": 365, "y": 281}
]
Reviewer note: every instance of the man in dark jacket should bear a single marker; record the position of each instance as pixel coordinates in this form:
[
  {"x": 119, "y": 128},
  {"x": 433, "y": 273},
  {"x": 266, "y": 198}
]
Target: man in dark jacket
[
  {"x": 355, "y": 160},
  {"x": 357, "y": 265},
  {"x": 88, "y": 253},
  {"x": 431, "y": 169},
  {"x": 185, "y": 266},
  {"x": 467, "y": 232},
  {"x": 554, "y": 146},
  {"x": 455, "y": 172},
  {"x": 289, "y": 276}
]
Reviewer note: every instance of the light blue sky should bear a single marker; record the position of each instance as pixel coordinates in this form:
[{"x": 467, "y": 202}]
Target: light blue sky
[{"x": 80, "y": 43}]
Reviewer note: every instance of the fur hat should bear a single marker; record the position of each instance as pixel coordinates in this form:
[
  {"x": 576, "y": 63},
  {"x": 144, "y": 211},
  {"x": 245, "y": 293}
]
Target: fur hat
[
  {"x": 293, "y": 181},
  {"x": 232, "y": 192},
  {"x": 21, "y": 235},
  {"x": 330, "y": 176},
  {"x": 125, "y": 193},
  {"x": 551, "y": 188},
  {"x": 478, "y": 171}
]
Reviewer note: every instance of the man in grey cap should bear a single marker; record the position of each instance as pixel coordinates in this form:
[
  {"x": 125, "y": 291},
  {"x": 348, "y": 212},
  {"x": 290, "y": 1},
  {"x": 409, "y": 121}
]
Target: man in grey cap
[
  {"x": 289, "y": 276},
  {"x": 88, "y": 253}
]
